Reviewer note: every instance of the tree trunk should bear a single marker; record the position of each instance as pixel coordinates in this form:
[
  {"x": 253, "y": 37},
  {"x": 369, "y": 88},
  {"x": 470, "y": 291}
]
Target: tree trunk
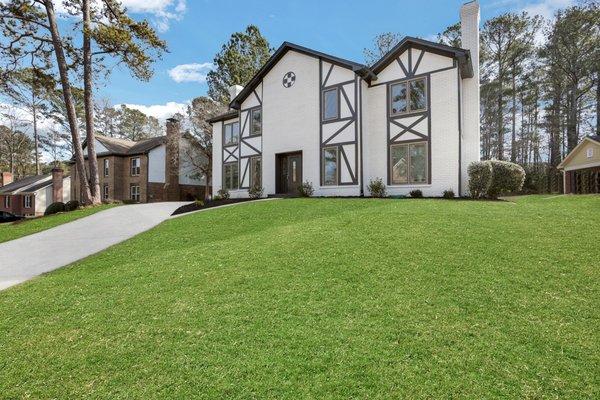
[
  {"x": 35, "y": 136},
  {"x": 89, "y": 105},
  {"x": 598, "y": 103},
  {"x": 572, "y": 119},
  {"x": 68, "y": 97},
  {"x": 513, "y": 143}
]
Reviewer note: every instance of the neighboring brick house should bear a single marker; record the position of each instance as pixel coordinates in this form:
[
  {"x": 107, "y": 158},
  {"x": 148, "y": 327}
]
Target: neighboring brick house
[
  {"x": 150, "y": 170},
  {"x": 31, "y": 196}
]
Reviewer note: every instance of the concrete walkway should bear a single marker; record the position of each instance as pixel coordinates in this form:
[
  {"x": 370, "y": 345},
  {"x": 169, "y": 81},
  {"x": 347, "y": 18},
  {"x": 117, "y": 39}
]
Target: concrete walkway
[{"x": 22, "y": 259}]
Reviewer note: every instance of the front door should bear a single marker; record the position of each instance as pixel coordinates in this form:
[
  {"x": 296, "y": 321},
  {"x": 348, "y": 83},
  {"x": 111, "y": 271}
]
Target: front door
[{"x": 289, "y": 174}]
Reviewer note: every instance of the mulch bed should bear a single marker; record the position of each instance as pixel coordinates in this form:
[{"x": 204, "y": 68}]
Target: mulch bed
[{"x": 207, "y": 204}]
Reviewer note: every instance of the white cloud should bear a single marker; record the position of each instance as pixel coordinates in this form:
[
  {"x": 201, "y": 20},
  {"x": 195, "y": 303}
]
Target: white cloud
[
  {"x": 195, "y": 72},
  {"x": 547, "y": 8},
  {"x": 162, "y": 12},
  {"x": 160, "y": 111}
]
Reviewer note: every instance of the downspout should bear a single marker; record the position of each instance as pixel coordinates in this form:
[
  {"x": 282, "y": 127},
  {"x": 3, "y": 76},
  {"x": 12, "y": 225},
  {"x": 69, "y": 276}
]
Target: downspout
[{"x": 362, "y": 190}]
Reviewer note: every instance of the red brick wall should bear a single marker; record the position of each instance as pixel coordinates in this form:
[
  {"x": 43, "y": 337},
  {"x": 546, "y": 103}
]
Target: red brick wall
[{"x": 17, "y": 205}]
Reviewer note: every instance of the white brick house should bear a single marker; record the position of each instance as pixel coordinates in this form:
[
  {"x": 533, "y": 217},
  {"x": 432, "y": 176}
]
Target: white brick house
[{"x": 411, "y": 119}]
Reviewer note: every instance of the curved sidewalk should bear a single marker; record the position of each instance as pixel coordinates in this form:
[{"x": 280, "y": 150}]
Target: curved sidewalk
[{"x": 24, "y": 258}]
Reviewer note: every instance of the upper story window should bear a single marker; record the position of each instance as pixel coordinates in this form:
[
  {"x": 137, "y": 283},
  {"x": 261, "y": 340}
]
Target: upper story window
[
  {"x": 231, "y": 133},
  {"x": 106, "y": 167},
  {"x": 135, "y": 166},
  {"x": 27, "y": 201},
  {"x": 409, "y": 96},
  {"x": 331, "y": 104},
  {"x": 590, "y": 153},
  {"x": 256, "y": 125}
]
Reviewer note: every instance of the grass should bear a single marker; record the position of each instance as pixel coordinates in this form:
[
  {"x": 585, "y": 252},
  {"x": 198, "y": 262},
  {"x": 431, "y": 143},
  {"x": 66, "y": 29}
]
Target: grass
[
  {"x": 10, "y": 231},
  {"x": 322, "y": 298}
]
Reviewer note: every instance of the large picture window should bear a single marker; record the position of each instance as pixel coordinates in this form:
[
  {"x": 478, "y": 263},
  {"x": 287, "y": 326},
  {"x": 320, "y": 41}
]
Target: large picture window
[
  {"x": 331, "y": 107},
  {"x": 231, "y": 133},
  {"x": 256, "y": 125},
  {"x": 230, "y": 176},
  {"x": 330, "y": 166},
  {"x": 408, "y": 163},
  {"x": 409, "y": 96},
  {"x": 255, "y": 172}
]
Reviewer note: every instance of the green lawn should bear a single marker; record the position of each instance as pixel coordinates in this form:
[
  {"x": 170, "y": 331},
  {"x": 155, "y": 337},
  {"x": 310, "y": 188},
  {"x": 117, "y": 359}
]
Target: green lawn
[
  {"x": 322, "y": 299},
  {"x": 10, "y": 231}
]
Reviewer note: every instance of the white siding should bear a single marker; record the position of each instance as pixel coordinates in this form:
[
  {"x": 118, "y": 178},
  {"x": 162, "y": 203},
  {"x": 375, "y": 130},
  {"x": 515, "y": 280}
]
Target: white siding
[{"x": 156, "y": 164}]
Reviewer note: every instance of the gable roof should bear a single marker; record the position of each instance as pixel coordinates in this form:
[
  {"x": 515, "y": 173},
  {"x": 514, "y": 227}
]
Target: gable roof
[
  {"x": 360, "y": 69},
  {"x": 29, "y": 184},
  {"x": 463, "y": 55},
  {"x": 223, "y": 117},
  {"x": 592, "y": 138},
  {"x": 125, "y": 147},
  {"x": 368, "y": 73}
]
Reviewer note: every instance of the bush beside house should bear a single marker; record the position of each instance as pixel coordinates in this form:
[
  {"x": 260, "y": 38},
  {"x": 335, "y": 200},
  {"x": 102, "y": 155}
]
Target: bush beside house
[{"x": 489, "y": 179}]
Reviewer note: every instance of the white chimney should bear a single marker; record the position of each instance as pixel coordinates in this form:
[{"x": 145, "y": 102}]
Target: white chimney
[
  {"x": 234, "y": 90},
  {"x": 469, "y": 29}
]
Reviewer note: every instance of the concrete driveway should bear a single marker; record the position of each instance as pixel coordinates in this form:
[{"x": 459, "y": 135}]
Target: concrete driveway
[{"x": 22, "y": 259}]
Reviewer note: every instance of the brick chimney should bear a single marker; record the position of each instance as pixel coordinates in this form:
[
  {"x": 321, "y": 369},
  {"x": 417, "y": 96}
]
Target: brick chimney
[
  {"x": 470, "y": 143},
  {"x": 5, "y": 178},
  {"x": 172, "y": 160},
  {"x": 57, "y": 185}
]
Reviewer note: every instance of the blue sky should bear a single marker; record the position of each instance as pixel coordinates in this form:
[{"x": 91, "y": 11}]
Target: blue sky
[{"x": 196, "y": 29}]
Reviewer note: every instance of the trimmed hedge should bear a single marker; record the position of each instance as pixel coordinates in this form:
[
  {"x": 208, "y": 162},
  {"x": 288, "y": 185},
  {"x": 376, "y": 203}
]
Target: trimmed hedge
[
  {"x": 55, "y": 208},
  {"x": 71, "y": 205},
  {"x": 480, "y": 177},
  {"x": 507, "y": 177},
  {"x": 492, "y": 178}
]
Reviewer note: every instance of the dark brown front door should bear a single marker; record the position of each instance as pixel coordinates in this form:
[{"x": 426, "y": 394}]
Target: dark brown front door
[{"x": 289, "y": 173}]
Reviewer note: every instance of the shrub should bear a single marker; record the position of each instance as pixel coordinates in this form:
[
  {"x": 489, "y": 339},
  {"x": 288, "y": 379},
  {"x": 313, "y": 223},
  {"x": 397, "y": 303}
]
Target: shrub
[
  {"x": 129, "y": 201},
  {"x": 507, "y": 177},
  {"x": 54, "y": 208},
  {"x": 71, "y": 205},
  {"x": 480, "y": 177},
  {"x": 255, "y": 192},
  {"x": 377, "y": 188},
  {"x": 417, "y": 194},
  {"x": 222, "y": 194},
  {"x": 306, "y": 189},
  {"x": 448, "y": 194},
  {"x": 199, "y": 203}
]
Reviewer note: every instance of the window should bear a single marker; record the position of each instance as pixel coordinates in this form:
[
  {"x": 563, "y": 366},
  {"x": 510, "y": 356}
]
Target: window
[
  {"x": 106, "y": 169},
  {"x": 255, "y": 172},
  {"x": 410, "y": 96},
  {"x": 6, "y": 201},
  {"x": 134, "y": 192},
  {"x": 105, "y": 192},
  {"x": 330, "y": 166},
  {"x": 590, "y": 153},
  {"x": 256, "y": 125},
  {"x": 27, "y": 201},
  {"x": 135, "y": 166},
  {"x": 408, "y": 163},
  {"x": 230, "y": 176},
  {"x": 330, "y": 104},
  {"x": 231, "y": 133}
]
